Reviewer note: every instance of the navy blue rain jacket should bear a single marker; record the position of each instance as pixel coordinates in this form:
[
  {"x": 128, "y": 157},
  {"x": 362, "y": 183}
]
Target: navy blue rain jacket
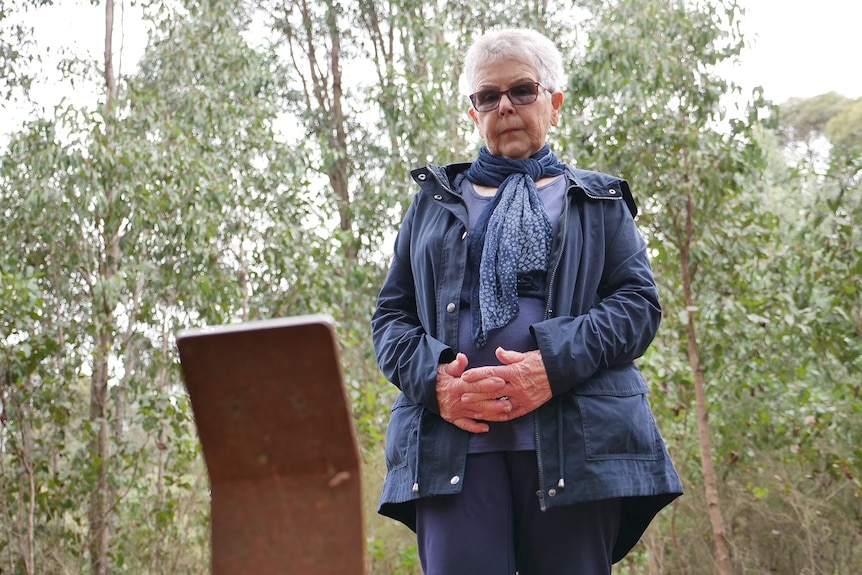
[{"x": 596, "y": 438}]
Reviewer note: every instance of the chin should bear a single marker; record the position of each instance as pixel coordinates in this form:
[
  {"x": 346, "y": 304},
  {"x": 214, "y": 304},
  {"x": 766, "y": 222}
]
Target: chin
[
  {"x": 516, "y": 155},
  {"x": 516, "y": 152}
]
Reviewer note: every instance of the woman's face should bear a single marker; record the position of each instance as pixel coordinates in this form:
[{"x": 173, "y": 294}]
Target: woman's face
[{"x": 514, "y": 132}]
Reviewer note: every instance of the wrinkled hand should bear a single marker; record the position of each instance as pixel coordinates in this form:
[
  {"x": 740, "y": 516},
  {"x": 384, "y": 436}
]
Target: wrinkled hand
[
  {"x": 527, "y": 386},
  {"x": 482, "y": 392}
]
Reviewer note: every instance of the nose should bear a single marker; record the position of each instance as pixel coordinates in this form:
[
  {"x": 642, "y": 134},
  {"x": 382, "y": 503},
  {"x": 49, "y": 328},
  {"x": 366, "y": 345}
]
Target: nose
[{"x": 506, "y": 106}]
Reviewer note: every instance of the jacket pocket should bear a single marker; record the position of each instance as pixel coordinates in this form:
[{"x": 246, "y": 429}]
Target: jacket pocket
[
  {"x": 616, "y": 417},
  {"x": 402, "y": 432}
]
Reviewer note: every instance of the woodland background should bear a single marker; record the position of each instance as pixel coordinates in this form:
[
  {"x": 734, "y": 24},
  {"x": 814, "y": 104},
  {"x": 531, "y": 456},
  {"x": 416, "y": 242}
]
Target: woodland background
[{"x": 255, "y": 165}]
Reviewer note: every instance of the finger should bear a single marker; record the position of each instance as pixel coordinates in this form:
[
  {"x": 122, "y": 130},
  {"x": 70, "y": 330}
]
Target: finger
[
  {"x": 518, "y": 412},
  {"x": 485, "y": 372},
  {"x": 491, "y": 410},
  {"x": 457, "y": 366},
  {"x": 488, "y": 386},
  {"x": 471, "y": 425},
  {"x": 507, "y": 356},
  {"x": 472, "y": 397}
]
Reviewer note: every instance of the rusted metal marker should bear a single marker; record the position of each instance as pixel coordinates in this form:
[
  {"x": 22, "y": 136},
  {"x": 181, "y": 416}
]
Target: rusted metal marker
[{"x": 278, "y": 439}]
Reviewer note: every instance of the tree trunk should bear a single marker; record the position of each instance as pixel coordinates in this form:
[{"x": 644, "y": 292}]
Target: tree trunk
[
  {"x": 27, "y": 479},
  {"x": 710, "y": 481},
  {"x": 99, "y": 452},
  {"x": 338, "y": 171},
  {"x": 324, "y": 93},
  {"x": 103, "y": 320}
]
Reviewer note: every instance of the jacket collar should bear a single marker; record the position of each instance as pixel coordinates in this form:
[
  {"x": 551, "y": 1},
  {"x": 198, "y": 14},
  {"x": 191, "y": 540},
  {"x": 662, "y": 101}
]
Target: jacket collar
[{"x": 595, "y": 185}]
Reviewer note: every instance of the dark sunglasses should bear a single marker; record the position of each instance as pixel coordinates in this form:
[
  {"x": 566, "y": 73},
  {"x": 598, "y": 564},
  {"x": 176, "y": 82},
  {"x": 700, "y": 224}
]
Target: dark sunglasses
[{"x": 519, "y": 95}]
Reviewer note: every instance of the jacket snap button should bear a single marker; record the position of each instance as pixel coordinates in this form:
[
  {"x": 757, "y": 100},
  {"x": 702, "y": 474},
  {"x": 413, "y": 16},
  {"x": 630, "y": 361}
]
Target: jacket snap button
[
  {"x": 421, "y": 177},
  {"x": 438, "y": 197},
  {"x": 455, "y": 479},
  {"x": 552, "y": 492},
  {"x": 612, "y": 192},
  {"x": 450, "y": 307},
  {"x": 464, "y": 236}
]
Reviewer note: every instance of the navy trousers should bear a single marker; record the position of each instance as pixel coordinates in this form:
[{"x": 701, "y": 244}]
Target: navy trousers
[{"x": 495, "y": 527}]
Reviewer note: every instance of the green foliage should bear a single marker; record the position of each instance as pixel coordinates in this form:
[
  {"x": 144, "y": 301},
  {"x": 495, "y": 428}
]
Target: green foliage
[
  {"x": 803, "y": 119},
  {"x": 844, "y": 129},
  {"x": 658, "y": 122},
  {"x": 244, "y": 175},
  {"x": 16, "y": 45}
]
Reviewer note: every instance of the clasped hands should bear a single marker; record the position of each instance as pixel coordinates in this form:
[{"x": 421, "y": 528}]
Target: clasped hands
[{"x": 469, "y": 398}]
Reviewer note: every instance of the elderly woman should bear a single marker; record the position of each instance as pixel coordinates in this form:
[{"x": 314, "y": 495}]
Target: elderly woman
[{"x": 519, "y": 295}]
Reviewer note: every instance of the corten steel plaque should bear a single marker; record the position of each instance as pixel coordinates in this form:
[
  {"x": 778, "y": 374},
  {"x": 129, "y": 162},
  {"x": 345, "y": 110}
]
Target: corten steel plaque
[{"x": 278, "y": 440}]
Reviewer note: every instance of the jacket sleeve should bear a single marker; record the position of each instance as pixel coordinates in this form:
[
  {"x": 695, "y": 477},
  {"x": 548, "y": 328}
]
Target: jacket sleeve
[
  {"x": 621, "y": 324},
  {"x": 407, "y": 355}
]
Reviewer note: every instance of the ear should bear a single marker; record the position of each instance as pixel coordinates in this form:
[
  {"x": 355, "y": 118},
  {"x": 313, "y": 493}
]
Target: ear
[
  {"x": 472, "y": 112},
  {"x": 556, "y": 107}
]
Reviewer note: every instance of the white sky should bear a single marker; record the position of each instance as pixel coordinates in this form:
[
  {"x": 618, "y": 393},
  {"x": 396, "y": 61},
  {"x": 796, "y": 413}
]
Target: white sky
[
  {"x": 802, "y": 48},
  {"x": 798, "y": 48}
]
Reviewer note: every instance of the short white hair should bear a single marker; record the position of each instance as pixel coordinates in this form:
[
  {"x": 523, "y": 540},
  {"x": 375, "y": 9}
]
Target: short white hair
[{"x": 521, "y": 44}]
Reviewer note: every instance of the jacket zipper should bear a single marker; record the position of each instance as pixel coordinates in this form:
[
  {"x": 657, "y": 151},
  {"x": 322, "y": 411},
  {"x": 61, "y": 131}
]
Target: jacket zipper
[
  {"x": 541, "y": 492},
  {"x": 564, "y": 219},
  {"x": 552, "y": 276}
]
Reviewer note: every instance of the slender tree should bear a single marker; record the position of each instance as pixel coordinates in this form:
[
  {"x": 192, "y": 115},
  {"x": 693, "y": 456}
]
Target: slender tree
[
  {"x": 234, "y": 175},
  {"x": 650, "y": 107}
]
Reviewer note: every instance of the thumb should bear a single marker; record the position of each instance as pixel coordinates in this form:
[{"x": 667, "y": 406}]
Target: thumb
[
  {"x": 457, "y": 366},
  {"x": 508, "y": 356}
]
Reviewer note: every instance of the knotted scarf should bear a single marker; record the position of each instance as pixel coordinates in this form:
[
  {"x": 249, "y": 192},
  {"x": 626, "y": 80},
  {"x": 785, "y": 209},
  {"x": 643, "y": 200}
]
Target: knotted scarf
[{"x": 512, "y": 235}]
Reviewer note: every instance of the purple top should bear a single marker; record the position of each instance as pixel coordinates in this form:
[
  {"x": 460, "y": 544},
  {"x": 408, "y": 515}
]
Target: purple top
[{"x": 517, "y": 434}]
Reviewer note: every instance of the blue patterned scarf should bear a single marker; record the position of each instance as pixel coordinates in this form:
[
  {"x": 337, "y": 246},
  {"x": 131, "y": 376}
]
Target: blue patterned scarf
[{"x": 512, "y": 236}]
